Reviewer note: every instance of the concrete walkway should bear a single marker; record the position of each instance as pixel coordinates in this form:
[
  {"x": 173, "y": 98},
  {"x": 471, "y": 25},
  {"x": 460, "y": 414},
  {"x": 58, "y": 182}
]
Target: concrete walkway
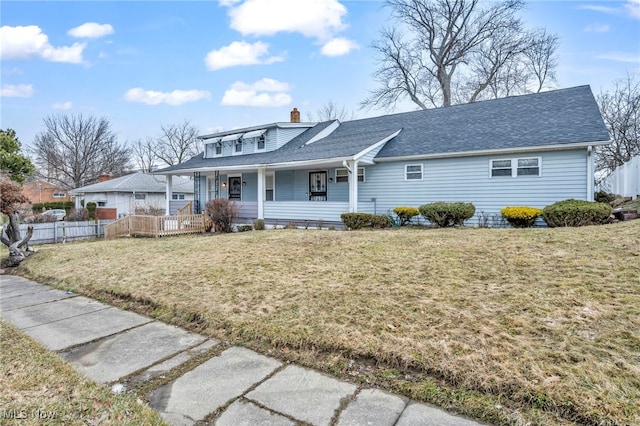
[{"x": 235, "y": 387}]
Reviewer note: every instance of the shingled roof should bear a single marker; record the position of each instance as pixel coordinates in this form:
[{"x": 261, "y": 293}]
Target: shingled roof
[
  {"x": 138, "y": 182},
  {"x": 548, "y": 119}
]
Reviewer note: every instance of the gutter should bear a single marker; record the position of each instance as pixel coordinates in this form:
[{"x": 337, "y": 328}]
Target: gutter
[{"x": 560, "y": 147}]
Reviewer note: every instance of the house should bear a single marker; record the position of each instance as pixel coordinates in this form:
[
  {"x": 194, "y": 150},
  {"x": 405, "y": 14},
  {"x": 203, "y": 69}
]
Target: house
[
  {"x": 137, "y": 192},
  {"x": 528, "y": 150},
  {"x": 40, "y": 191}
]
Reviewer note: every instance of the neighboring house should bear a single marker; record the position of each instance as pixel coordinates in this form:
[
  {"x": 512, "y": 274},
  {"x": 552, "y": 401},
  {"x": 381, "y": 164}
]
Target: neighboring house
[
  {"x": 127, "y": 194},
  {"x": 530, "y": 150},
  {"x": 41, "y": 191}
]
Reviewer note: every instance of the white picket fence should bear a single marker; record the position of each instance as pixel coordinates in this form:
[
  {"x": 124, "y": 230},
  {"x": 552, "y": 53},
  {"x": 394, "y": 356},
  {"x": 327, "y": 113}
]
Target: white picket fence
[
  {"x": 625, "y": 180},
  {"x": 60, "y": 232}
]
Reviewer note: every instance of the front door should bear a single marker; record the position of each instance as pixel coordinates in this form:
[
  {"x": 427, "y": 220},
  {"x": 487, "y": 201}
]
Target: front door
[
  {"x": 318, "y": 186},
  {"x": 235, "y": 188}
]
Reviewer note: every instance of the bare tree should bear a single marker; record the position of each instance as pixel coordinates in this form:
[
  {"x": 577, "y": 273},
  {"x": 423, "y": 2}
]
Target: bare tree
[
  {"x": 74, "y": 150},
  {"x": 332, "y": 111},
  {"x": 177, "y": 143},
  {"x": 621, "y": 113},
  {"x": 144, "y": 154},
  {"x": 457, "y": 51}
]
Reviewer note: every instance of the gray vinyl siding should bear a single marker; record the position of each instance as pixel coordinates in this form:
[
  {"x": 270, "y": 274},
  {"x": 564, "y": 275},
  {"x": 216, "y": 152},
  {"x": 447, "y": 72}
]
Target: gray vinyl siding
[
  {"x": 284, "y": 185},
  {"x": 563, "y": 175},
  {"x": 250, "y": 191}
]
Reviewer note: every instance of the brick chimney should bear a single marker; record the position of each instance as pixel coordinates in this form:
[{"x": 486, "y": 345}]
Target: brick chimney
[
  {"x": 295, "y": 116},
  {"x": 104, "y": 178}
]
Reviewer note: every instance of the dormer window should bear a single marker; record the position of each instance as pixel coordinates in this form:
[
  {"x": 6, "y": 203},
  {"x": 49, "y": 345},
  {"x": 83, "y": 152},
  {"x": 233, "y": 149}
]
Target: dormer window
[
  {"x": 237, "y": 146},
  {"x": 261, "y": 143},
  {"x": 217, "y": 150}
]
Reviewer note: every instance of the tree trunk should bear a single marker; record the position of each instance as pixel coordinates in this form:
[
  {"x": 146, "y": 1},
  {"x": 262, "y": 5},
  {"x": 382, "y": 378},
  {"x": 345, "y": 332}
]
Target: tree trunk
[{"x": 11, "y": 238}]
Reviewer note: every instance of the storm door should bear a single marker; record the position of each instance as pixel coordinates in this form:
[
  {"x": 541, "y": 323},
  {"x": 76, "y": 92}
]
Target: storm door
[
  {"x": 317, "y": 186},
  {"x": 235, "y": 188}
]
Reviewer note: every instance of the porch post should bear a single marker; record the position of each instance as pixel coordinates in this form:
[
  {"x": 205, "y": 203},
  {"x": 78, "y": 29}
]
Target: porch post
[
  {"x": 169, "y": 193},
  {"x": 353, "y": 186},
  {"x": 261, "y": 176}
]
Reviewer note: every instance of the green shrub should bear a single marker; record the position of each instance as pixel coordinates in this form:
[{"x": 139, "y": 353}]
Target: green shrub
[
  {"x": 50, "y": 205},
  {"x": 405, "y": 214},
  {"x": 381, "y": 221},
  {"x": 222, "y": 213},
  {"x": 356, "y": 220},
  {"x": 604, "y": 197},
  {"x": 520, "y": 216},
  {"x": 259, "y": 225},
  {"x": 245, "y": 228},
  {"x": 447, "y": 214},
  {"x": 576, "y": 213},
  {"x": 91, "y": 210}
]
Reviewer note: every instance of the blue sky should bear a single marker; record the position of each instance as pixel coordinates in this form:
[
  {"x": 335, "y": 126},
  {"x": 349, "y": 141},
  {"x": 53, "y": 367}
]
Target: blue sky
[{"x": 233, "y": 63}]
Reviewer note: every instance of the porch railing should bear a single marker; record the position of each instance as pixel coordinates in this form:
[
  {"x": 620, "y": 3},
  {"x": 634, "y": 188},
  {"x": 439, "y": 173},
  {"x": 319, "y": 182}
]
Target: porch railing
[{"x": 156, "y": 226}]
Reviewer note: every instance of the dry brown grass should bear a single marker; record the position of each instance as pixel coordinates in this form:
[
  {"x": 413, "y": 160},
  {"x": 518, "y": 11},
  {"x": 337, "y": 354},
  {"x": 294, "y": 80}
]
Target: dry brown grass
[
  {"x": 39, "y": 388},
  {"x": 543, "y": 324}
]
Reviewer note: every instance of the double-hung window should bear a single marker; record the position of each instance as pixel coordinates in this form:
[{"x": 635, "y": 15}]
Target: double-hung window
[
  {"x": 514, "y": 167},
  {"x": 342, "y": 175},
  {"x": 261, "y": 143},
  {"x": 237, "y": 146},
  {"x": 413, "y": 172}
]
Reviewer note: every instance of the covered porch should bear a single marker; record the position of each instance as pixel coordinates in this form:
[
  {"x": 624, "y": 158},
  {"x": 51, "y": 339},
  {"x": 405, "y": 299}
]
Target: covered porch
[{"x": 316, "y": 191}]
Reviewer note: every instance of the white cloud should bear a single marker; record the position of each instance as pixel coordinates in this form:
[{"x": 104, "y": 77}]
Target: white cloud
[
  {"x": 338, "y": 47},
  {"x": 633, "y": 7},
  {"x": 63, "y": 105},
  {"x": 239, "y": 53},
  {"x": 24, "y": 42},
  {"x": 91, "y": 30},
  {"x": 257, "y": 94},
  {"x": 621, "y": 57},
  {"x": 17, "y": 91},
  {"x": 319, "y": 19},
  {"x": 176, "y": 97},
  {"x": 597, "y": 28}
]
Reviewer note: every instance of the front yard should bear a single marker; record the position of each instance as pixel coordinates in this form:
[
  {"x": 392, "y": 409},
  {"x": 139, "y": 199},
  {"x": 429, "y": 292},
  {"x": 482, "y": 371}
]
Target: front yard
[{"x": 504, "y": 325}]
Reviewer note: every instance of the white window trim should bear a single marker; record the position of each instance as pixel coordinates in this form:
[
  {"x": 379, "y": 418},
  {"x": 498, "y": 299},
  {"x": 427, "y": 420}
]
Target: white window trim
[
  {"x": 233, "y": 147},
  {"x": 59, "y": 195},
  {"x": 273, "y": 176},
  {"x": 360, "y": 169},
  {"x": 256, "y": 143},
  {"x": 215, "y": 145},
  {"x": 514, "y": 167},
  {"x": 406, "y": 166}
]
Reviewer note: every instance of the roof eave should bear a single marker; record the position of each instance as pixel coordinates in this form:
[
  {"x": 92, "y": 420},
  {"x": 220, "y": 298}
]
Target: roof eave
[{"x": 499, "y": 151}]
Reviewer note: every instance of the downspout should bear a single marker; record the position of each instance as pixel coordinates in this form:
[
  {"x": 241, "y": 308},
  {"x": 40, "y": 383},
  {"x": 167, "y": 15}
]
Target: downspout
[
  {"x": 169, "y": 190},
  {"x": 590, "y": 175}
]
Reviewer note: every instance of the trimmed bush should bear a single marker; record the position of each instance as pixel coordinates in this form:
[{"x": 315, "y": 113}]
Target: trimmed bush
[
  {"x": 259, "y": 225},
  {"x": 50, "y": 205},
  {"x": 447, "y": 214},
  {"x": 245, "y": 228},
  {"x": 91, "y": 210},
  {"x": 520, "y": 216},
  {"x": 405, "y": 214},
  {"x": 355, "y": 221},
  {"x": 381, "y": 221},
  {"x": 576, "y": 213},
  {"x": 222, "y": 213}
]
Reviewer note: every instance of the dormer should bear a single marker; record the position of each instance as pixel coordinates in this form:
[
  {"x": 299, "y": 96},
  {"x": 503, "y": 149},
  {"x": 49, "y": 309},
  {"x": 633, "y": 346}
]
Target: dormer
[{"x": 255, "y": 139}]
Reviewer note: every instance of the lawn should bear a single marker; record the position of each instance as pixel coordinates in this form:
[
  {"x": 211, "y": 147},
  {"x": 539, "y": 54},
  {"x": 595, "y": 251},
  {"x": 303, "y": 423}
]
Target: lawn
[
  {"x": 38, "y": 388},
  {"x": 508, "y": 326}
]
